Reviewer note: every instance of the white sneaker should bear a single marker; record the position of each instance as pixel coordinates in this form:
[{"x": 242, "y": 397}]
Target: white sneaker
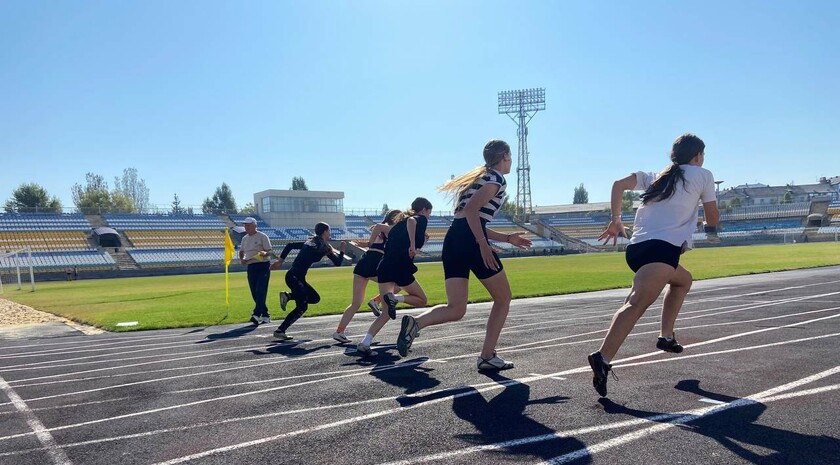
[
  {"x": 266, "y": 319},
  {"x": 493, "y": 363},
  {"x": 374, "y": 307},
  {"x": 341, "y": 337},
  {"x": 282, "y": 335},
  {"x": 284, "y": 299},
  {"x": 364, "y": 349}
]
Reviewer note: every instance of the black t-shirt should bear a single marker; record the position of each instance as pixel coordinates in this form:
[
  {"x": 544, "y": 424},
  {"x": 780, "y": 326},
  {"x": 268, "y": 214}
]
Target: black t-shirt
[
  {"x": 398, "y": 241},
  {"x": 311, "y": 251}
]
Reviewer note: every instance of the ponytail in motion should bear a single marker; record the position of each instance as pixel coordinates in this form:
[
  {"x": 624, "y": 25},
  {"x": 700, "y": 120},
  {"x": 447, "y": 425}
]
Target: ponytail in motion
[{"x": 685, "y": 148}]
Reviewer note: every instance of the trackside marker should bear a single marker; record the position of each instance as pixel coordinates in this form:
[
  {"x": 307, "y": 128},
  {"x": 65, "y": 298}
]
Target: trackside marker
[{"x": 128, "y": 323}]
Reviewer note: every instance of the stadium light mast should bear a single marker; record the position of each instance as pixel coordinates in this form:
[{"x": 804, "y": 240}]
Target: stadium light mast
[{"x": 521, "y": 106}]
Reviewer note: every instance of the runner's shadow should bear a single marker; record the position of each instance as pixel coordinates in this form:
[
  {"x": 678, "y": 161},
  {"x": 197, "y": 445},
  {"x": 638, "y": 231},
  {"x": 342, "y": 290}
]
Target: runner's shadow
[
  {"x": 737, "y": 430},
  {"x": 231, "y": 334},
  {"x": 503, "y": 418},
  {"x": 289, "y": 349},
  {"x": 693, "y": 386},
  {"x": 408, "y": 374}
]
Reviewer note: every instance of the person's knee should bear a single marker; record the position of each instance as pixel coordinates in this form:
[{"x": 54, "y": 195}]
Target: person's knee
[{"x": 457, "y": 312}]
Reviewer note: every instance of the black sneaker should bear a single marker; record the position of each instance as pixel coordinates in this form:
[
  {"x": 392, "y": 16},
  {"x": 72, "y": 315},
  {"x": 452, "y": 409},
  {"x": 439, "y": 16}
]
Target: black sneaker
[
  {"x": 391, "y": 301},
  {"x": 408, "y": 331},
  {"x": 600, "y": 369},
  {"x": 255, "y": 319},
  {"x": 669, "y": 345}
]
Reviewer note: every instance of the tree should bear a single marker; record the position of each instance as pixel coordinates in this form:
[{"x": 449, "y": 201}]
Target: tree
[
  {"x": 248, "y": 209},
  {"x": 298, "y": 184},
  {"x": 508, "y": 208},
  {"x": 627, "y": 200},
  {"x": 31, "y": 197},
  {"x": 581, "y": 196},
  {"x": 788, "y": 198},
  {"x": 134, "y": 189},
  {"x": 385, "y": 209},
  {"x": 221, "y": 202},
  {"x": 735, "y": 203},
  {"x": 177, "y": 209}
]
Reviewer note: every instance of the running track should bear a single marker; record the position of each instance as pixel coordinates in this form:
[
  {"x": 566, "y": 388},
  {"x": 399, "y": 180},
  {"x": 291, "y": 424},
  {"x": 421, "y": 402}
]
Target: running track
[{"x": 759, "y": 382}]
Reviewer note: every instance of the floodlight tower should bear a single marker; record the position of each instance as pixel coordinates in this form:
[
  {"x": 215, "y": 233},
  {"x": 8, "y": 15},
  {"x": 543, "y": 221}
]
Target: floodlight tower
[{"x": 521, "y": 106}]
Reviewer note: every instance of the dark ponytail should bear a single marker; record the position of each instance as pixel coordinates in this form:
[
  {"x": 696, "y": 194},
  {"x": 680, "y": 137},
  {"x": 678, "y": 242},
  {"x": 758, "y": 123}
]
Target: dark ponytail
[
  {"x": 685, "y": 148},
  {"x": 420, "y": 203}
]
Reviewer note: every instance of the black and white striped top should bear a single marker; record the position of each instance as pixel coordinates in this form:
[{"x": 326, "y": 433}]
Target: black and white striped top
[{"x": 490, "y": 208}]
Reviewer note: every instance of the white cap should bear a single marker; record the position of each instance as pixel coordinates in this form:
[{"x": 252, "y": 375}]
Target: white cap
[{"x": 249, "y": 220}]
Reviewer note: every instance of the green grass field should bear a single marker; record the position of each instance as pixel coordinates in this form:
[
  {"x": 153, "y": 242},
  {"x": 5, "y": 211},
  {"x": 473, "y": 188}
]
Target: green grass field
[{"x": 198, "y": 300}]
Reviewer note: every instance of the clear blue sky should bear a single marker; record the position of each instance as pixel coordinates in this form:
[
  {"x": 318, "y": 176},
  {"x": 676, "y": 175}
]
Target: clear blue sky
[{"x": 384, "y": 100}]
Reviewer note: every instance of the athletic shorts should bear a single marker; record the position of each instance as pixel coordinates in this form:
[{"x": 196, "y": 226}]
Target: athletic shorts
[
  {"x": 461, "y": 253},
  {"x": 367, "y": 266},
  {"x": 652, "y": 251},
  {"x": 400, "y": 271}
]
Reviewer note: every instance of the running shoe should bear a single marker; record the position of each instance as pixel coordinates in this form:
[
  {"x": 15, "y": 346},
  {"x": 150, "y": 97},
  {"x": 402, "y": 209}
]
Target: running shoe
[
  {"x": 255, "y": 319},
  {"x": 669, "y": 344},
  {"x": 364, "y": 349},
  {"x": 493, "y": 363},
  {"x": 284, "y": 299},
  {"x": 374, "y": 307},
  {"x": 600, "y": 369},
  {"x": 408, "y": 331},
  {"x": 282, "y": 335},
  {"x": 391, "y": 301},
  {"x": 341, "y": 337},
  {"x": 265, "y": 319}
]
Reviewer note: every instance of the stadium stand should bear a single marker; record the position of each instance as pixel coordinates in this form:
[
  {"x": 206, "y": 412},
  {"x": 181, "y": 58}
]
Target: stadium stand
[
  {"x": 57, "y": 240},
  {"x": 171, "y": 240}
]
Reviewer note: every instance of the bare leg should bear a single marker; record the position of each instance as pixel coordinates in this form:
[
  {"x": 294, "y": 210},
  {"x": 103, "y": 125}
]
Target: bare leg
[
  {"x": 359, "y": 285},
  {"x": 457, "y": 293},
  {"x": 383, "y": 318},
  {"x": 499, "y": 289},
  {"x": 416, "y": 296},
  {"x": 647, "y": 285},
  {"x": 678, "y": 288}
]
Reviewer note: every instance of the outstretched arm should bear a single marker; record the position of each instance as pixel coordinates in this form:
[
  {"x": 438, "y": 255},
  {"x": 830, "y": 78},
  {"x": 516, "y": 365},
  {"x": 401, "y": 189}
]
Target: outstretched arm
[{"x": 615, "y": 228}]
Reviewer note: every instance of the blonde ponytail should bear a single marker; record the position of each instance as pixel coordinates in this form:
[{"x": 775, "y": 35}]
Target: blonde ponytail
[{"x": 458, "y": 185}]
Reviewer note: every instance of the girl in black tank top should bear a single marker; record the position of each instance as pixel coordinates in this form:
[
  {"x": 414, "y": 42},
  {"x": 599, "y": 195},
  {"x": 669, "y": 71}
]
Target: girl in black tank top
[{"x": 365, "y": 271}]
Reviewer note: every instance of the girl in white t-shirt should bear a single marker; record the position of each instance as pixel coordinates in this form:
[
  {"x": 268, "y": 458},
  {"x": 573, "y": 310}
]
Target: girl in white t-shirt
[{"x": 661, "y": 233}]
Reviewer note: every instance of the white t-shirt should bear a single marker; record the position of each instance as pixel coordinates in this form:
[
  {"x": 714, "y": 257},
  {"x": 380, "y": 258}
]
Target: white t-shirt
[
  {"x": 252, "y": 245},
  {"x": 673, "y": 220}
]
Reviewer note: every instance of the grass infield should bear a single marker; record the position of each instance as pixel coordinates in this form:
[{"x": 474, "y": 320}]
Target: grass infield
[{"x": 199, "y": 300}]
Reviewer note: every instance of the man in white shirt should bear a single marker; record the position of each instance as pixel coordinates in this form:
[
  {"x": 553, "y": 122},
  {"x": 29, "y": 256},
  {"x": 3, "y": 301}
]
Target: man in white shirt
[{"x": 254, "y": 251}]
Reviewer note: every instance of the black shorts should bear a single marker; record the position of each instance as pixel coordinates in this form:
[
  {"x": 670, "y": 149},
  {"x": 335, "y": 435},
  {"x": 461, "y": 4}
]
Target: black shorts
[
  {"x": 367, "y": 266},
  {"x": 397, "y": 270},
  {"x": 461, "y": 253},
  {"x": 652, "y": 251}
]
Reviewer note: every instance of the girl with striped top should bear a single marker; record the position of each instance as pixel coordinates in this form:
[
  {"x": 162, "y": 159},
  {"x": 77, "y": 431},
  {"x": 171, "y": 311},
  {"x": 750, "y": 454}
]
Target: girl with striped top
[{"x": 480, "y": 194}]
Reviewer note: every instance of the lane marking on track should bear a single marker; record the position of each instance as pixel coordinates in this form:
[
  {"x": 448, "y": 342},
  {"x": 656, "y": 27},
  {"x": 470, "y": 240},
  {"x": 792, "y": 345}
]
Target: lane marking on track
[{"x": 38, "y": 429}]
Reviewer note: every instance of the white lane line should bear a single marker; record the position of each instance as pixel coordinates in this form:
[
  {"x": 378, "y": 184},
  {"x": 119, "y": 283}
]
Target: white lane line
[
  {"x": 453, "y": 393},
  {"x": 42, "y": 433},
  {"x": 222, "y": 450},
  {"x": 711, "y": 401},
  {"x": 509, "y": 330},
  {"x": 285, "y": 360},
  {"x": 80, "y": 404},
  {"x": 667, "y": 424},
  {"x": 656, "y": 419},
  {"x": 132, "y": 339}
]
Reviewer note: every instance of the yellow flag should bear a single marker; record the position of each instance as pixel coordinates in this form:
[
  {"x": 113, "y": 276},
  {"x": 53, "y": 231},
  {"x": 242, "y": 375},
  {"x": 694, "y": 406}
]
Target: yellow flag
[{"x": 229, "y": 252}]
